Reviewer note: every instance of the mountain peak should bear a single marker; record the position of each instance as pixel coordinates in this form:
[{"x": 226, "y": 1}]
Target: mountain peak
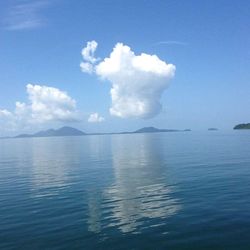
[
  {"x": 154, "y": 130},
  {"x": 147, "y": 130},
  {"x": 63, "y": 131}
]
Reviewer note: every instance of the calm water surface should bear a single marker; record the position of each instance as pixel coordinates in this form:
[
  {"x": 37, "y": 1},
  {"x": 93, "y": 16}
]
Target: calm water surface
[{"x": 143, "y": 191}]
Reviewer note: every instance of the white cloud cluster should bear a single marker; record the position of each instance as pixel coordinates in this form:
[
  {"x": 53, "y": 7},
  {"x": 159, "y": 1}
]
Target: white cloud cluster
[
  {"x": 46, "y": 104},
  {"x": 88, "y": 52},
  {"x": 88, "y": 56},
  {"x": 95, "y": 117},
  {"x": 5, "y": 113},
  {"x": 138, "y": 81},
  {"x": 49, "y": 104}
]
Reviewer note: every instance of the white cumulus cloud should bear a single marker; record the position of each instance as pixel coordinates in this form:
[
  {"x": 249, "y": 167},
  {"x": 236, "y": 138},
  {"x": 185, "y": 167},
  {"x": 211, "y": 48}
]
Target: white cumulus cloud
[
  {"x": 5, "y": 113},
  {"x": 88, "y": 56},
  {"x": 95, "y": 117},
  {"x": 138, "y": 81},
  {"x": 87, "y": 67},
  {"x": 46, "y": 104},
  {"x": 50, "y": 104},
  {"x": 89, "y": 51}
]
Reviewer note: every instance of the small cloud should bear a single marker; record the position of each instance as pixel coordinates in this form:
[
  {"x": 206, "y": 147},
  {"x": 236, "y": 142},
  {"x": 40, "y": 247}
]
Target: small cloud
[
  {"x": 88, "y": 56},
  {"x": 25, "y": 15},
  {"x": 138, "y": 81},
  {"x": 5, "y": 113},
  {"x": 89, "y": 51},
  {"x": 95, "y": 117},
  {"x": 87, "y": 67}
]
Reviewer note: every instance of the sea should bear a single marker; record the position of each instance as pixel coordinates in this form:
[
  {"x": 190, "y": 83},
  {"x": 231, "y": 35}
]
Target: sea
[{"x": 175, "y": 190}]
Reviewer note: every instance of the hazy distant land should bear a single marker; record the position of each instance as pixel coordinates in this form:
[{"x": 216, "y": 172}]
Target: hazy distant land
[
  {"x": 212, "y": 129},
  {"x": 69, "y": 131},
  {"x": 64, "y": 131},
  {"x": 242, "y": 126}
]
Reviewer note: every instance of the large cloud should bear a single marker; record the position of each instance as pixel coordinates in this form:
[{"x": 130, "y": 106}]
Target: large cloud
[
  {"x": 50, "y": 104},
  {"x": 138, "y": 81},
  {"x": 46, "y": 104}
]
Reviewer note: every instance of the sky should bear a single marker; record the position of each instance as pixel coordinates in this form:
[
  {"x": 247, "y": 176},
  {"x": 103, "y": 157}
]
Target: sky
[{"x": 110, "y": 66}]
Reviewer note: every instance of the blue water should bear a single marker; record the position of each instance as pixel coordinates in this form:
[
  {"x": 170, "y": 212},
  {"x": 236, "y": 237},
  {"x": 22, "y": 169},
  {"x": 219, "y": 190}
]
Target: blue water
[{"x": 143, "y": 191}]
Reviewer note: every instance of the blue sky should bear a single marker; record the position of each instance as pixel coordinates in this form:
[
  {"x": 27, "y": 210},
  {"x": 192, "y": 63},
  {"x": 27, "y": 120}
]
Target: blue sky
[{"x": 207, "y": 41}]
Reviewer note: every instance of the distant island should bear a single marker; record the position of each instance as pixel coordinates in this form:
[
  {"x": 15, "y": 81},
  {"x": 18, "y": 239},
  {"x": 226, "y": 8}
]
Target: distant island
[
  {"x": 69, "y": 131},
  {"x": 242, "y": 126},
  {"x": 212, "y": 129},
  {"x": 154, "y": 130},
  {"x": 64, "y": 131}
]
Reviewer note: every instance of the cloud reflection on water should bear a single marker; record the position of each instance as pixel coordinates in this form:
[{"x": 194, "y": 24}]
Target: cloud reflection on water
[
  {"x": 51, "y": 160},
  {"x": 140, "y": 191}
]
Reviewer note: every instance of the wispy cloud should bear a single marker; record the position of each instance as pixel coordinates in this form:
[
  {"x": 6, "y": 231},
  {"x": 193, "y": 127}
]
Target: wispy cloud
[
  {"x": 171, "y": 43},
  {"x": 25, "y": 15}
]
